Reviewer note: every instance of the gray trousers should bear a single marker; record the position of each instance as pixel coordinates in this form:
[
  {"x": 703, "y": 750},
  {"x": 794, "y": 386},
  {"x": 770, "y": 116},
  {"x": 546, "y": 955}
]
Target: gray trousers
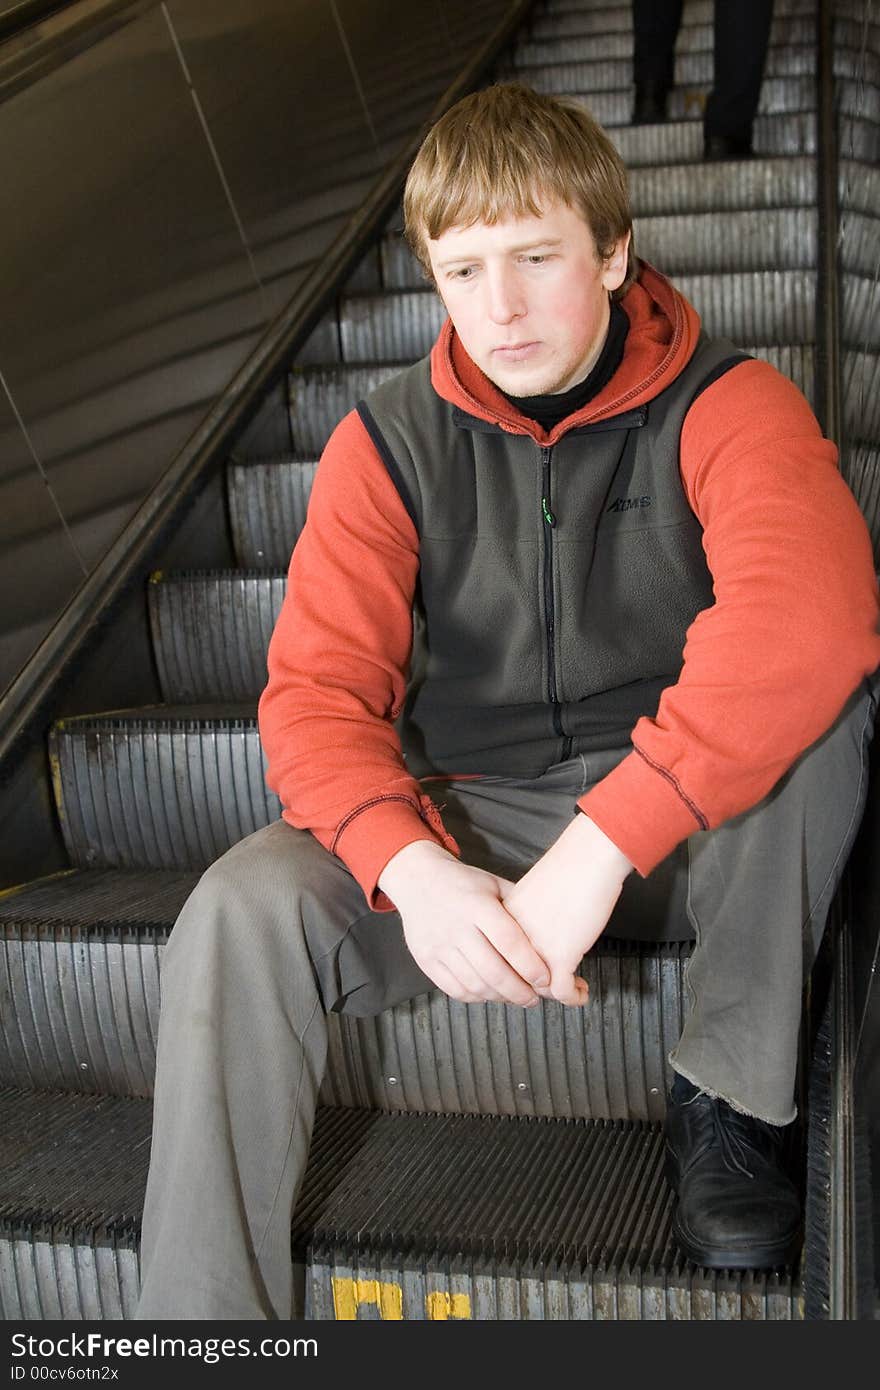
[{"x": 277, "y": 933}]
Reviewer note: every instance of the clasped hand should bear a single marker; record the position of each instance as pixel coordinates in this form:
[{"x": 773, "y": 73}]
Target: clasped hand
[{"x": 481, "y": 937}]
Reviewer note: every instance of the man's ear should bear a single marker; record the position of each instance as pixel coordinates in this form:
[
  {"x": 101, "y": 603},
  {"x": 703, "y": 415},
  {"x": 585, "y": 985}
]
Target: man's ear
[{"x": 614, "y": 270}]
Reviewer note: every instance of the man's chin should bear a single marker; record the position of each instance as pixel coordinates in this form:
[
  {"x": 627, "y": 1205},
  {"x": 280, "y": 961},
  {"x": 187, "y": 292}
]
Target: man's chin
[{"x": 525, "y": 383}]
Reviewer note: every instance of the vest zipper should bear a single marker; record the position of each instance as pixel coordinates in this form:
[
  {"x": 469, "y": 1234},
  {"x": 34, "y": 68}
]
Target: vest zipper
[{"x": 549, "y": 524}]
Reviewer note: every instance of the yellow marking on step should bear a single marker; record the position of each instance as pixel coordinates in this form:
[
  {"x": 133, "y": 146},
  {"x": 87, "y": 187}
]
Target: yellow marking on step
[
  {"x": 55, "y": 772},
  {"x": 440, "y": 1306},
  {"x": 35, "y": 882},
  {"x": 350, "y": 1294}
]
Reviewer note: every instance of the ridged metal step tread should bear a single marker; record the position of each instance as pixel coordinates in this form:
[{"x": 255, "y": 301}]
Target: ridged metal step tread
[
  {"x": 205, "y": 715},
  {"x": 582, "y": 71},
  {"x": 79, "y": 974},
  {"x": 211, "y": 631},
  {"x": 73, "y": 1165},
  {"x": 578, "y": 1191},
  {"x": 779, "y": 96},
  {"x": 789, "y": 31},
  {"x": 609, "y": 18},
  {"x": 268, "y": 499},
  {"x": 80, "y": 903},
  {"x": 529, "y": 1203},
  {"x": 792, "y": 134},
  {"x": 510, "y": 1201},
  {"x": 163, "y": 787},
  {"x": 80, "y": 958}
]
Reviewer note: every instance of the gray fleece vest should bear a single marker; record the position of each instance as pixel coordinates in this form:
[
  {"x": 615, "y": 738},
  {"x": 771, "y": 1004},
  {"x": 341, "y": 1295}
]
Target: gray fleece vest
[{"x": 556, "y": 585}]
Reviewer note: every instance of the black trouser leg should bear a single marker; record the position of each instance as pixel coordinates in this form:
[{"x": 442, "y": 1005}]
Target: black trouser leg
[
  {"x": 742, "y": 30},
  {"x": 655, "y": 25}
]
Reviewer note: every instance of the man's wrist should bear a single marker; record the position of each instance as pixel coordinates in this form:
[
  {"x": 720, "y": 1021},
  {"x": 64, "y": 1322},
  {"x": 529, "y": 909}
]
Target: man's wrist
[
  {"x": 583, "y": 839},
  {"x": 406, "y": 868}
]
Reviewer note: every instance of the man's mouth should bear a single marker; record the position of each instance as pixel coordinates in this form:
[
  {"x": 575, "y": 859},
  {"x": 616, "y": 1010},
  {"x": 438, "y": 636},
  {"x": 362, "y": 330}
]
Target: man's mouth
[{"x": 515, "y": 352}]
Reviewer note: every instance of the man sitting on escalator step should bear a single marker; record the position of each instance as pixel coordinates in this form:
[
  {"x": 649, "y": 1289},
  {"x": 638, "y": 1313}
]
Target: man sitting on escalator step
[{"x": 582, "y": 605}]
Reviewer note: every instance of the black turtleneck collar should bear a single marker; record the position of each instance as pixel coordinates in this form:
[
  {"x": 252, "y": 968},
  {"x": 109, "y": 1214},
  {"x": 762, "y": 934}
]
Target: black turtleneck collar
[{"x": 549, "y": 410}]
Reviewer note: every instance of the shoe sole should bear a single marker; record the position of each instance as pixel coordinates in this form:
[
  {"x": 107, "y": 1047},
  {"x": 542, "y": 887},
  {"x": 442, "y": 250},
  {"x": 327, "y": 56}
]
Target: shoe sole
[{"x": 771, "y": 1256}]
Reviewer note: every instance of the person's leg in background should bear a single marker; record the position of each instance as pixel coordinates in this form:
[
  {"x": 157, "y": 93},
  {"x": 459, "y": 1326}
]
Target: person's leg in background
[
  {"x": 742, "y": 32},
  {"x": 655, "y": 28}
]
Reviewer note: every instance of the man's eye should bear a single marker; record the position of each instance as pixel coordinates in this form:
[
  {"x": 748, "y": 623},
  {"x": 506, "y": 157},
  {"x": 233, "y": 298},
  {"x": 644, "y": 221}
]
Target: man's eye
[
  {"x": 466, "y": 273},
  {"x": 536, "y": 259}
]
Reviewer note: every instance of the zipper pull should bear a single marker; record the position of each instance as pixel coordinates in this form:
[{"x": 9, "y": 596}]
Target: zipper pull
[{"x": 548, "y": 515}]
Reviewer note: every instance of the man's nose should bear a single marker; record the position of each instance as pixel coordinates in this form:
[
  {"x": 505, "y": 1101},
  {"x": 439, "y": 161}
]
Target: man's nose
[{"x": 505, "y": 295}]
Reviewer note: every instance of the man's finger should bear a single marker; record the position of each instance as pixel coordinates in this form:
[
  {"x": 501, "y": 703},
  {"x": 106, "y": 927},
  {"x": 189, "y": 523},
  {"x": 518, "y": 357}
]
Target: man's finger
[
  {"x": 500, "y": 978},
  {"x": 449, "y": 983},
  {"x": 511, "y": 942},
  {"x": 569, "y": 989}
]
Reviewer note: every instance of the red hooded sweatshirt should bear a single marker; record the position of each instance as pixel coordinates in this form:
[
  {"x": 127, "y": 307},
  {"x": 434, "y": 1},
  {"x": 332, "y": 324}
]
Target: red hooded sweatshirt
[{"x": 766, "y": 669}]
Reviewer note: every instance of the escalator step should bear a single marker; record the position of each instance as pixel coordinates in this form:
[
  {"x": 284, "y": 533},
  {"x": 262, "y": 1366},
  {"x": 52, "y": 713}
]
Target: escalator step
[
  {"x": 267, "y": 509},
  {"x": 318, "y": 399},
  {"x": 351, "y": 383},
  {"x": 860, "y": 303},
  {"x": 80, "y": 958},
  {"x": 71, "y": 1196},
  {"x": 80, "y": 975},
  {"x": 858, "y": 139},
  {"x": 607, "y": 1061},
  {"x": 678, "y": 141},
  {"x": 779, "y": 96},
  {"x": 738, "y": 241},
  {"x": 564, "y": 19},
  {"x": 161, "y": 788},
  {"x": 473, "y": 1216},
  {"x": 503, "y": 1218},
  {"x": 859, "y": 242},
  {"x": 861, "y": 394},
  {"x": 582, "y": 70},
  {"x": 592, "y": 45},
  {"x": 211, "y": 632},
  {"x": 322, "y": 344},
  {"x": 858, "y": 191}
]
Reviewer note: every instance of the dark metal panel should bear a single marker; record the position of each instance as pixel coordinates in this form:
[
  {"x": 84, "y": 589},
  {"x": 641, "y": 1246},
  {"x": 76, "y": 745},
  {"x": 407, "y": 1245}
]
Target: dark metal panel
[
  {"x": 128, "y": 300},
  {"x": 291, "y": 136},
  {"x": 39, "y": 566}
]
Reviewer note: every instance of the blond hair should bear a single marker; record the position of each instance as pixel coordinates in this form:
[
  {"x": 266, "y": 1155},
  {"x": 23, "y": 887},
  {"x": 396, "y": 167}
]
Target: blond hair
[{"x": 505, "y": 152}]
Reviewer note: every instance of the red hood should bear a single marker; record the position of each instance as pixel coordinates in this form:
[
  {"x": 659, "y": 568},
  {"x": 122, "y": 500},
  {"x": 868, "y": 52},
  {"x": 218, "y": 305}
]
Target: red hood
[{"x": 663, "y": 333}]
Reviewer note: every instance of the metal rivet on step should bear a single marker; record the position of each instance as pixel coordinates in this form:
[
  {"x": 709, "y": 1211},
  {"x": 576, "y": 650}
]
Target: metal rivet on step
[
  {"x": 392, "y": 1081},
  {"x": 83, "y": 1066},
  {"x": 655, "y": 1090},
  {"x": 521, "y": 1086}
]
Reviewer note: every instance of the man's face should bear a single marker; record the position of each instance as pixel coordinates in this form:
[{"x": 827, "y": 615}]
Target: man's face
[{"x": 528, "y": 297}]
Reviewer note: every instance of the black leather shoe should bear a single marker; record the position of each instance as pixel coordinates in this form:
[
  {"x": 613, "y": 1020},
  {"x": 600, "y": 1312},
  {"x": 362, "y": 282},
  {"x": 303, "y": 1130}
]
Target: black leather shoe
[
  {"x": 649, "y": 107},
  {"x": 727, "y": 146},
  {"x": 737, "y": 1206}
]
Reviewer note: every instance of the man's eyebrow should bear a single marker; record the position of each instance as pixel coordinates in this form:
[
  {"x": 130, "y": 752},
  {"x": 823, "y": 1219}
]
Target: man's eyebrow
[{"x": 534, "y": 245}]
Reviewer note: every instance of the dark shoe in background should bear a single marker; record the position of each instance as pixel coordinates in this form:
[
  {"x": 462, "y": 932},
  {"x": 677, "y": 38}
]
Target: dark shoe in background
[
  {"x": 738, "y": 1208},
  {"x": 727, "y": 146},
  {"x": 649, "y": 107}
]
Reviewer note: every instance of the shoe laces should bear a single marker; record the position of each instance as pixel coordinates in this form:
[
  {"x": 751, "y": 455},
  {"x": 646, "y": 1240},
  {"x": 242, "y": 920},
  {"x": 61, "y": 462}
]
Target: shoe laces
[{"x": 735, "y": 1134}]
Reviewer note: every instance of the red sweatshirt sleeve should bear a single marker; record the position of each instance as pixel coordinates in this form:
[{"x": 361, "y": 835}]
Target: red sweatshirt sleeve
[
  {"x": 769, "y": 666},
  {"x": 337, "y": 668}
]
